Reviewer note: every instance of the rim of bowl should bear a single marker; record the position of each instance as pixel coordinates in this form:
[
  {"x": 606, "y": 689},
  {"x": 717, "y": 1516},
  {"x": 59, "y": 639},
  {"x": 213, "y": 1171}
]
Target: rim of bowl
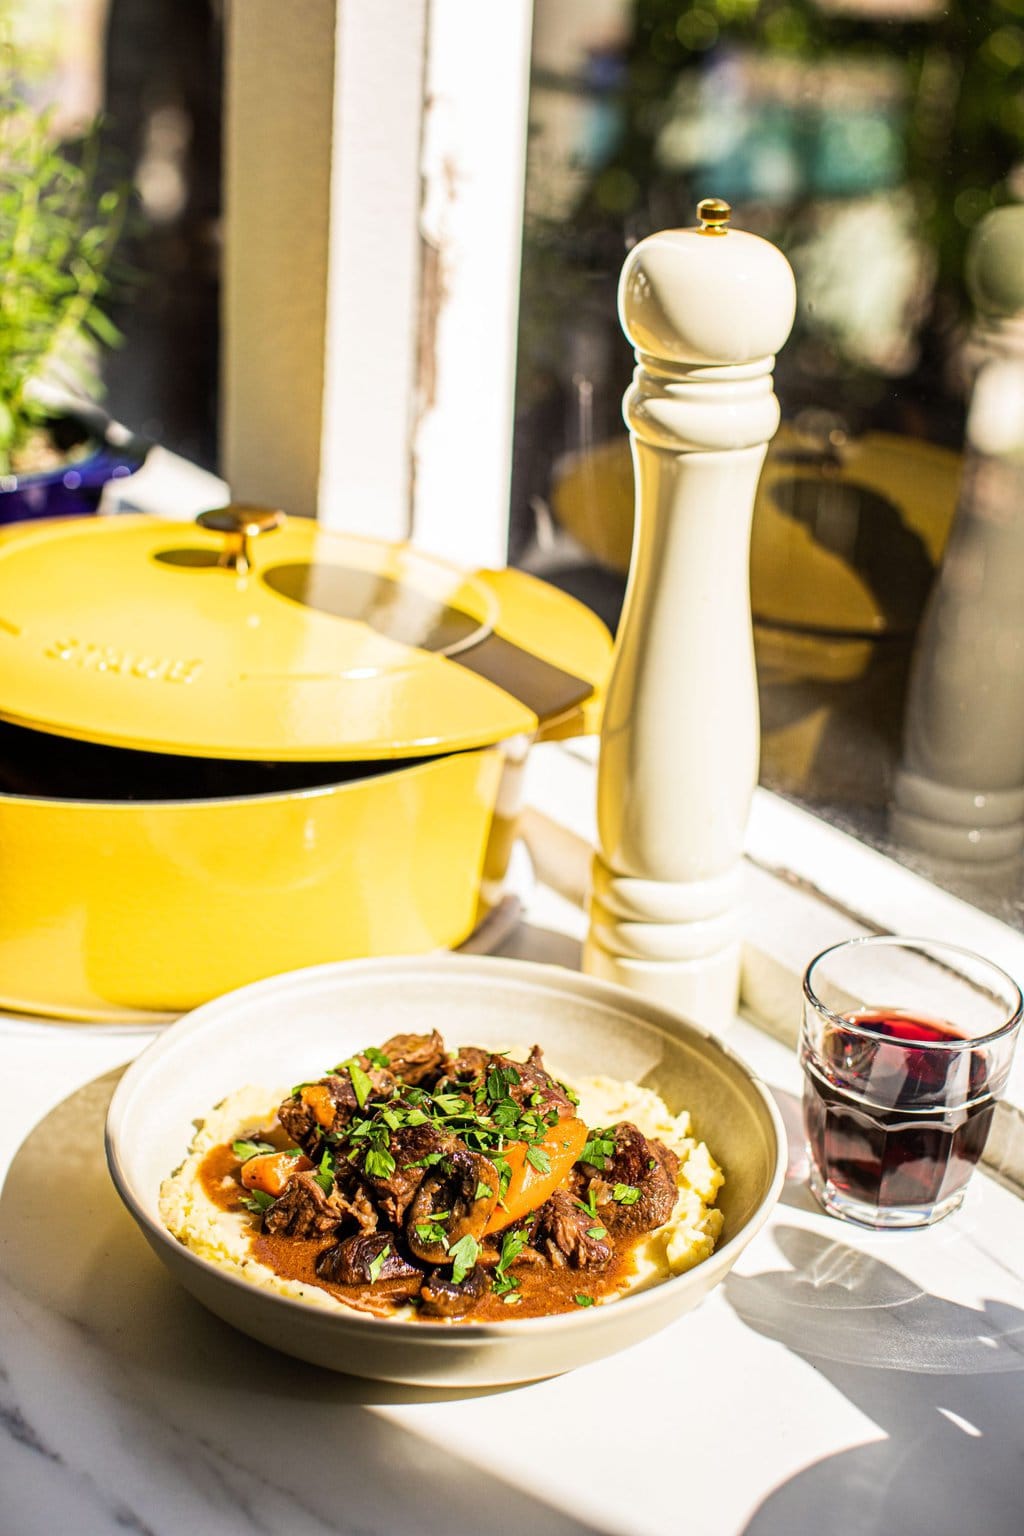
[{"x": 663, "y": 1018}]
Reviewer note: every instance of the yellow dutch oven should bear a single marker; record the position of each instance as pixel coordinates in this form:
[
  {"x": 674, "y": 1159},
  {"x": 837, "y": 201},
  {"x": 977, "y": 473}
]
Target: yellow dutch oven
[{"x": 222, "y": 757}]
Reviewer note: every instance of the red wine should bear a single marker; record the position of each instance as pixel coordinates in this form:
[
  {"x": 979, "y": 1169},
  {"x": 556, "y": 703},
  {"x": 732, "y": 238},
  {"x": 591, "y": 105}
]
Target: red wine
[{"x": 888, "y": 1125}]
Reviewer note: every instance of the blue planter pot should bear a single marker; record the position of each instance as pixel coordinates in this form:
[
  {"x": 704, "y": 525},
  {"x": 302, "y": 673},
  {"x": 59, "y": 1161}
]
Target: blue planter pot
[{"x": 71, "y": 490}]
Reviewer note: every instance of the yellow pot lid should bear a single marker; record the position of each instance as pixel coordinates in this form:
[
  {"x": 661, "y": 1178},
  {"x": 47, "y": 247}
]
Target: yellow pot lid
[{"x": 303, "y": 644}]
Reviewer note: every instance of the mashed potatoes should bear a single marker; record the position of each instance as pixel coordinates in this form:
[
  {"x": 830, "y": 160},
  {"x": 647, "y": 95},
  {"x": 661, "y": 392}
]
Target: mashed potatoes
[
  {"x": 223, "y": 1236},
  {"x": 211, "y": 1232},
  {"x": 692, "y": 1230}
]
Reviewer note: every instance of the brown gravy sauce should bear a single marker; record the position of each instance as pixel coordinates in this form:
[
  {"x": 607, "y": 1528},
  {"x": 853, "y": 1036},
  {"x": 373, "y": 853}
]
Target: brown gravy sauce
[{"x": 544, "y": 1290}]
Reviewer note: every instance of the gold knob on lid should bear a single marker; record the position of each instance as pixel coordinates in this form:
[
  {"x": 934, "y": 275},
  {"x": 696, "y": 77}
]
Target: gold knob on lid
[
  {"x": 239, "y": 523},
  {"x": 714, "y": 214}
]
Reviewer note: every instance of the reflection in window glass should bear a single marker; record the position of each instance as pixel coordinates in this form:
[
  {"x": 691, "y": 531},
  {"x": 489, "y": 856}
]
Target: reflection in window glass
[{"x": 867, "y": 138}]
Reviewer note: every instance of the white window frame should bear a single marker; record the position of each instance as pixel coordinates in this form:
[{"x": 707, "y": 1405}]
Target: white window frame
[{"x": 375, "y": 164}]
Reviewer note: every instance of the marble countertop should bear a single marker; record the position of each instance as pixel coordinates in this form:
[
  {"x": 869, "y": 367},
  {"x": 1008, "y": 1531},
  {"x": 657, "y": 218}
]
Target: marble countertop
[
  {"x": 838, "y": 1379},
  {"x": 862, "y": 1384}
]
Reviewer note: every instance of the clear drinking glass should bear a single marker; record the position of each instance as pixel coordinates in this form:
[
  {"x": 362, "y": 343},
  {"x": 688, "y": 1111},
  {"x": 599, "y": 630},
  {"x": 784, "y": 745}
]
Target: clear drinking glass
[{"x": 906, "y": 1045}]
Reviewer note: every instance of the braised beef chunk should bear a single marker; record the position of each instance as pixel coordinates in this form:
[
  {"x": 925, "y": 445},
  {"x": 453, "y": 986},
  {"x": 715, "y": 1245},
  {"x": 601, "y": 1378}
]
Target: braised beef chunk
[
  {"x": 455, "y": 1199},
  {"x": 367, "y": 1260},
  {"x": 468, "y": 1066},
  {"x": 530, "y": 1085},
  {"x": 408, "y": 1147},
  {"x": 635, "y": 1190},
  {"x": 441, "y": 1297},
  {"x": 354, "y": 1199},
  {"x": 563, "y": 1233},
  {"x": 418, "y": 1060},
  {"x": 297, "y": 1115},
  {"x": 326, "y": 1107},
  {"x": 304, "y": 1210}
]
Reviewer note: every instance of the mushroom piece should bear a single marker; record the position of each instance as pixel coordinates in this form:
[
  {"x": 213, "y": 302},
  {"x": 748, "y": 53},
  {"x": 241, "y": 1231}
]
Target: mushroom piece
[
  {"x": 454, "y": 1200},
  {"x": 441, "y": 1297},
  {"x": 369, "y": 1259}
]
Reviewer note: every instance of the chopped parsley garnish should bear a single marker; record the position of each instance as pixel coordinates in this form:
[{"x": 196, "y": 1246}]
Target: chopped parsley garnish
[
  {"x": 432, "y": 1231},
  {"x": 590, "y": 1204},
  {"x": 324, "y": 1175},
  {"x": 504, "y": 1168},
  {"x": 361, "y": 1085},
  {"x": 599, "y": 1146},
  {"x": 450, "y": 1104},
  {"x": 538, "y": 1158},
  {"x": 512, "y": 1245},
  {"x": 511, "y": 1299},
  {"x": 583, "y": 1301},
  {"x": 257, "y": 1201},
  {"x": 499, "y": 1081},
  {"x": 625, "y": 1194},
  {"x": 506, "y": 1113},
  {"x": 376, "y": 1058},
  {"x": 379, "y": 1163},
  {"x": 463, "y": 1255},
  {"x": 597, "y": 1232},
  {"x": 483, "y": 1191},
  {"x": 376, "y": 1265},
  {"x": 246, "y": 1149}
]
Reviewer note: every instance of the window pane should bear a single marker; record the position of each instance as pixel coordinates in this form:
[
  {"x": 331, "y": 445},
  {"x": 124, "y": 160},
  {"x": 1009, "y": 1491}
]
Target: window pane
[
  {"x": 151, "y": 70},
  {"x": 867, "y": 138}
]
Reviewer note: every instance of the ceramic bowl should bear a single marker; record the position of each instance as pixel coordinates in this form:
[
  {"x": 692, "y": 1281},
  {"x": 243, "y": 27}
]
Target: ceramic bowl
[{"x": 285, "y": 1029}]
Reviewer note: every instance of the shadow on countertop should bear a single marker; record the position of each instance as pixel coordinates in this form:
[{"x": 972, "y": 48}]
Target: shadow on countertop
[
  {"x": 942, "y": 1381},
  {"x": 148, "y": 1409}
]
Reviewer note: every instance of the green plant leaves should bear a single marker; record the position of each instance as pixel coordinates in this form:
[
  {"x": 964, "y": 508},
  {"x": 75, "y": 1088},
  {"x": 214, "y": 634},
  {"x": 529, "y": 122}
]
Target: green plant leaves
[{"x": 58, "y": 233}]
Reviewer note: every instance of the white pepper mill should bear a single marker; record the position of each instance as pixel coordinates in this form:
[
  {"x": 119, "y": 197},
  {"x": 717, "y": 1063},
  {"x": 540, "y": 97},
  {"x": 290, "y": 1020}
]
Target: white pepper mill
[{"x": 706, "y": 310}]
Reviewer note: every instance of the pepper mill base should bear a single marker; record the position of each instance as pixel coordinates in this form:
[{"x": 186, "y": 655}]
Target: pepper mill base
[
  {"x": 676, "y": 941},
  {"x": 704, "y": 990}
]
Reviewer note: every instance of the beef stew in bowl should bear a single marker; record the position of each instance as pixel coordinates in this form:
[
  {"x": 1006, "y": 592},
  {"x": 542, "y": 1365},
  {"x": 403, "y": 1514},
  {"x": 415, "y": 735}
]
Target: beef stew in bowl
[
  {"x": 423, "y": 1183},
  {"x": 284, "y": 1030}
]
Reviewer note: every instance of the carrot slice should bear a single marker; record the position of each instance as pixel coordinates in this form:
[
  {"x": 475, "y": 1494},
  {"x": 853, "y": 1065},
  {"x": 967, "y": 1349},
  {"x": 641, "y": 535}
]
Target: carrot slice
[
  {"x": 270, "y": 1171},
  {"x": 318, "y": 1097},
  {"x": 529, "y": 1186}
]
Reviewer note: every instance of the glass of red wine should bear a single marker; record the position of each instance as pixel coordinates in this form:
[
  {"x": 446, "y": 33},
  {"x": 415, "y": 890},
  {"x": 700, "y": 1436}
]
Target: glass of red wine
[{"x": 906, "y": 1045}]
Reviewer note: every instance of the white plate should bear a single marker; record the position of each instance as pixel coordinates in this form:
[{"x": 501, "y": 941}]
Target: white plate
[{"x": 285, "y": 1029}]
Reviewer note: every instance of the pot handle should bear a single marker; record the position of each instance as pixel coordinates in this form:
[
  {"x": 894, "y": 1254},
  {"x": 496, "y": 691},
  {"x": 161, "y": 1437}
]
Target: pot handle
[{"x": 557, "y": 629}]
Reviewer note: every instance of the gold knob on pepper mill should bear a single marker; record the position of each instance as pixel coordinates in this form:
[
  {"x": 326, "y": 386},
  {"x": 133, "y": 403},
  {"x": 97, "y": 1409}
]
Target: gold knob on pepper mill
[
  {"x": 239, "y": 523},
  {"x": 714, "y": 214}
]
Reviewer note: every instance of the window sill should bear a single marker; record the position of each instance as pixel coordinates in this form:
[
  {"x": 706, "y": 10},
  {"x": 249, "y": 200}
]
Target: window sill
[{"x": 807, "y": 886}]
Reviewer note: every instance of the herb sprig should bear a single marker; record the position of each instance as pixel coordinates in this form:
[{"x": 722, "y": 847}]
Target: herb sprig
[
  {"x": 512, "y": 1245},
  {"x": 257, "y": 1201},
  {"x": 244, "y": 1148}
]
